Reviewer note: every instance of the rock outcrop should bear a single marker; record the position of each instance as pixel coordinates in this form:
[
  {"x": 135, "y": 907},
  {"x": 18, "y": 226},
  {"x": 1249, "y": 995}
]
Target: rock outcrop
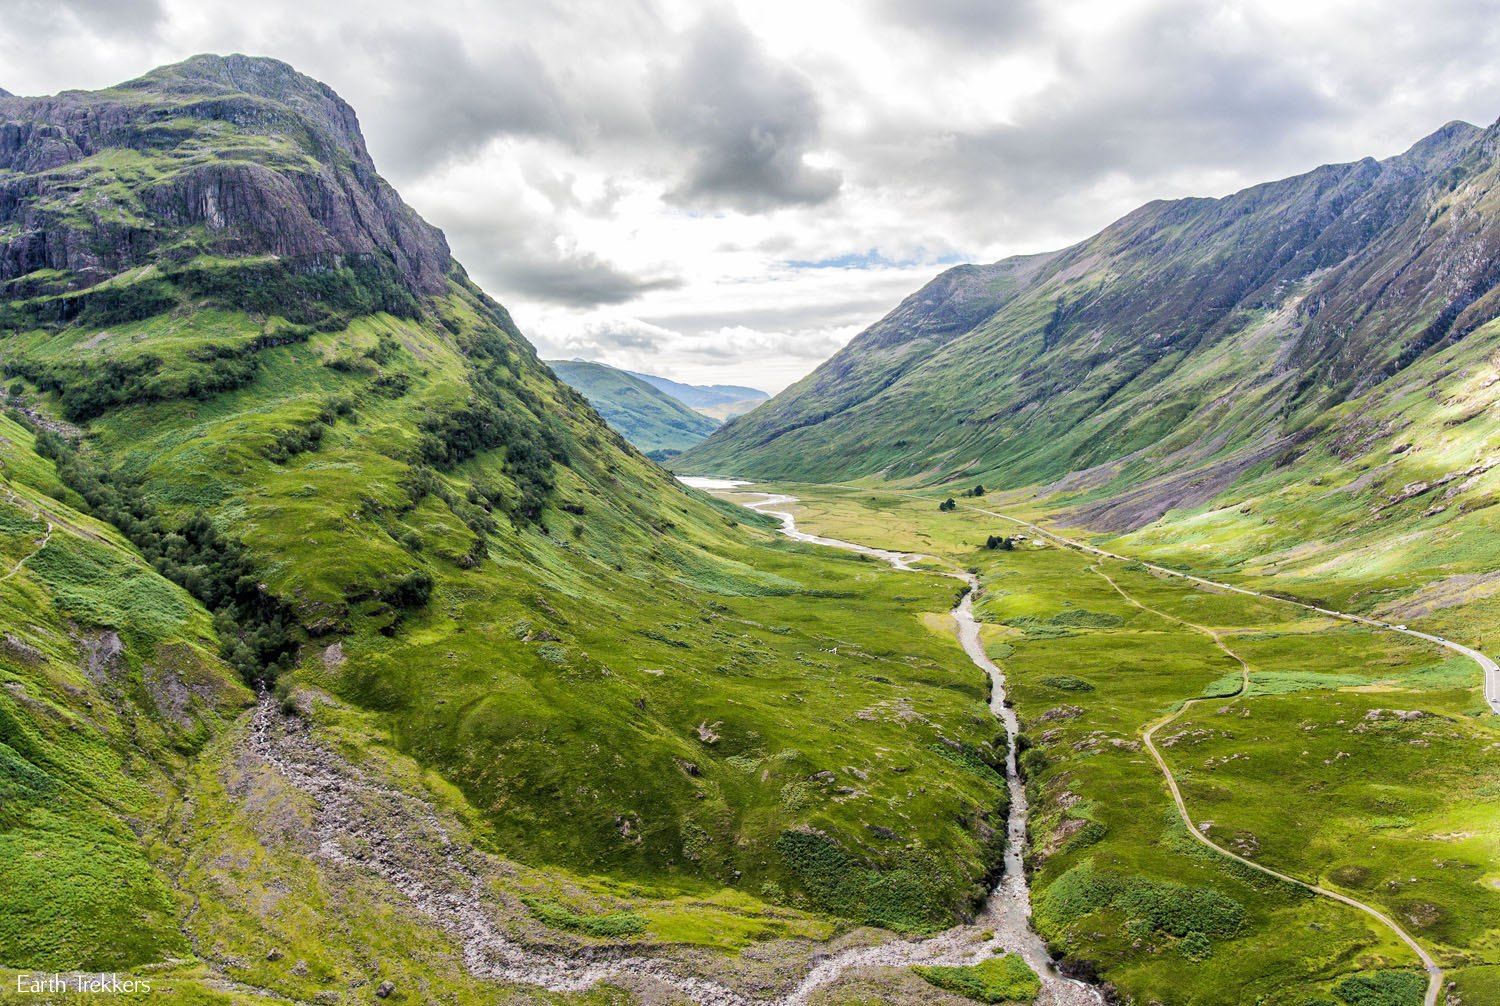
[{"x": 225, "y": 156}]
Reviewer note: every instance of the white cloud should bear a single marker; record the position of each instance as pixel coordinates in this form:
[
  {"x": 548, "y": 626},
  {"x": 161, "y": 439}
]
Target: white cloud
[{"x": 634, "y": 179}]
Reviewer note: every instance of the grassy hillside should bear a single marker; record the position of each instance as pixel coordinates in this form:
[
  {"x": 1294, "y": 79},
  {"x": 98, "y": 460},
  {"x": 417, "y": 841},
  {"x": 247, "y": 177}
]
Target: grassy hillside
[
  {"x": 314, "y": 458},
  {"x": 651, "y": 420}
]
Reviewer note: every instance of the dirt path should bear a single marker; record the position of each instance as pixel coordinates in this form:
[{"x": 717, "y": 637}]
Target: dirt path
[
  {"x": 1434, "y": 972},
  {"x": 46, "y": 538}
]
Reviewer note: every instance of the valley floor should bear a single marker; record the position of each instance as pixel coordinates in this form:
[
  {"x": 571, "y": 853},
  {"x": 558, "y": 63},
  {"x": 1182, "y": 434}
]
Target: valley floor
[
  {"x": 1339, "y": 754},
  {"x": 1311, "y": 759}
]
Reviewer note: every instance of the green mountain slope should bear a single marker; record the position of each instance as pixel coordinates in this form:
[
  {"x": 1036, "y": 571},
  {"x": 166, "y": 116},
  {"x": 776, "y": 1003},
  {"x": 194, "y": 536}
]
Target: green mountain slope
[
  {"x": 110, "y": 681},
  {"x": 297, "y": 449},
  {"x": 720, "y": 401},
  {"x": 652, "y": 421},
  {"x": 1230, "y": 325}
]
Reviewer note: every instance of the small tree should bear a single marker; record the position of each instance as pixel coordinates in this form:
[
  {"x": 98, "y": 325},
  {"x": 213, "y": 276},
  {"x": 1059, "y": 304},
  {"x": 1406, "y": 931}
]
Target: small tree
[
  {"x": 947, "y": 505},
  {"x": 994, "y": 541},
  {"x": 978, "y": 490}
]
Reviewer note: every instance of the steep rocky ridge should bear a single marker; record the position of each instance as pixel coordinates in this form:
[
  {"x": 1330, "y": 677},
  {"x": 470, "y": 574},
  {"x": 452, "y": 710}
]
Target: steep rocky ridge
[{"x": 256, "y": 157}]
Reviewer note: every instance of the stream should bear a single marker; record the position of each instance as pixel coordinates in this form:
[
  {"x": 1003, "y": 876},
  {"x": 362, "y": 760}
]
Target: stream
[
  {"x": 359, "y": 822},
  {"x": 1007, "y": 911}
]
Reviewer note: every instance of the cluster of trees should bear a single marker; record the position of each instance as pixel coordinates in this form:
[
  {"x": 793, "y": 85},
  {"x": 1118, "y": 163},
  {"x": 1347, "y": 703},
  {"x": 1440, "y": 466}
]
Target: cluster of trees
[
  {"x": 326, "y": 294},
  {"x": 995, "y": 541},
  {"x": 259, "y": 633},
  {"x": 300, "y": 439},
  {"x": 475, "y": 509},
  {"x": 85, "y": 391},
  {"x": 950, "y": 504},
  {"x": 502, "y": 412}
]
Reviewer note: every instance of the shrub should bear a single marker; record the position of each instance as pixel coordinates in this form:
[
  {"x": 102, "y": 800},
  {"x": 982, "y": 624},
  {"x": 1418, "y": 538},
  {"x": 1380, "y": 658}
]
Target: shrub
[
  {"x": 948, "y": 505},
  {"x": 1175, "y": 909},
  {"x": 612, "y": 924},
  {"x": 413, "y": 590},
  {"x": 1382, "y": 988},
  {"x": 1004, "y": 979},
  {"x": 903, "y": 899}
]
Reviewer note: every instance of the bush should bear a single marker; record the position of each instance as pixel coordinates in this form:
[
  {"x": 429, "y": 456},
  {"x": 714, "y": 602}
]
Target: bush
[
  {"x": 612, "y": 924},
  {"x": 1165, "y": 907},
  {"x": 413, "y": 590},
  {"x": 1004, "y": 979},
  {"x": 997, "y": 542},
  {"x": 948, "y": 505},
  {"x": 1382, "y": 988},
  {"x": 903, "y": 899}
]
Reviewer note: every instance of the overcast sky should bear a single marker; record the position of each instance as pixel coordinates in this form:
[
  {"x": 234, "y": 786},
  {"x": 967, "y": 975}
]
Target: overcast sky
[{"x": 728, "y": 192}]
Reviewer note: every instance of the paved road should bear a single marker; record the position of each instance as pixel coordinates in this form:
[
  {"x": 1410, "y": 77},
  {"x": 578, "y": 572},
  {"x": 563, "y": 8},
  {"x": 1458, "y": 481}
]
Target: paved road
[{"x": 1490, "y": 669}]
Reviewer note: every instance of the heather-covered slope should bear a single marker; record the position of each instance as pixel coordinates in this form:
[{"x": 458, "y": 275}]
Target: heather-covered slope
[
  {"x": 346, "y": 477},
  {"x": 650, "y": 419},
  {"x": 1227, "y": 326}
]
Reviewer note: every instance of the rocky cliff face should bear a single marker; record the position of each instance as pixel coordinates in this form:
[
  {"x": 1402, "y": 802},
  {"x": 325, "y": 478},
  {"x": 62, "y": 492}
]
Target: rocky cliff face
[{"x": 221, "y": 156}]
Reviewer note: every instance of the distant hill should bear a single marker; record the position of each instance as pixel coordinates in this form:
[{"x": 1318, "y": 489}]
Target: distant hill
[
  {"x": 650, "y": 419},
  {"x": 721, "y": 401}
]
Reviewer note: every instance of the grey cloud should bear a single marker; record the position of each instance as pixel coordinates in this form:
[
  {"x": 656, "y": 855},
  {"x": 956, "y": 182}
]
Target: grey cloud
[
  {"x": 577, "y": 281},
  {"x": 443, "y": 102},
  {"x": 987, "y": 25},
  {"x": 138, "y": 16},
  {"x": 514, "y": 253},
  {"x": 747, "y": 120},
  {"x": 1175, "y": 93}
]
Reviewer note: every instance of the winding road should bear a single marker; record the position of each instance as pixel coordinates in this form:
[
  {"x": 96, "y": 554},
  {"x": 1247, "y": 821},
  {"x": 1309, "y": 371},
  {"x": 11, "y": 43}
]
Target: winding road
[{"x": 1488, "y": 667}]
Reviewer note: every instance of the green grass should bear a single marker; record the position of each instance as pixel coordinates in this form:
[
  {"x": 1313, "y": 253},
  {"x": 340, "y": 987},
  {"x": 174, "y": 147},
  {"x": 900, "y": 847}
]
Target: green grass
[
  {"x": 1304, "y": 775},
  {"x": 1003, "y": 979},
  {"x": 673, "y": 756}
]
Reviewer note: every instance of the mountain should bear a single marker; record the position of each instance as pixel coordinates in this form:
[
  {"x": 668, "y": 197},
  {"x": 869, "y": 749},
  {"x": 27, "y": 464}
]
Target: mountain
[
  {"x": 345, "y": 649},
  {"x": 652, "y": 421},
  {"x": 719, "y": 401},
  {"x": 1189, "y": 341}
]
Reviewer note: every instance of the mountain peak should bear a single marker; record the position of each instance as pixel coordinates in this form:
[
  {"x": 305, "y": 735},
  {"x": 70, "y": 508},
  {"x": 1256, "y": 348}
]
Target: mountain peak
[{"x": 301, "y": 185}]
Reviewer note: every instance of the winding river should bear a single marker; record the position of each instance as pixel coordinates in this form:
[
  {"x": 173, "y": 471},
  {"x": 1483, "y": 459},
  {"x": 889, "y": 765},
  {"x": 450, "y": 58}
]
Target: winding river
[{"x": 1007, "y": 912}]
